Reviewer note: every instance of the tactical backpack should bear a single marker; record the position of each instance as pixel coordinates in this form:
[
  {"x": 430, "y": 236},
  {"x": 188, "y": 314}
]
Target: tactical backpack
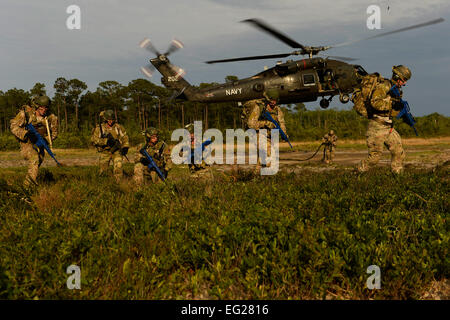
[
  {"x": 361, "y": 96},
  {"x": 246, "y": 111},
  {"x": 245, "y": 114}
]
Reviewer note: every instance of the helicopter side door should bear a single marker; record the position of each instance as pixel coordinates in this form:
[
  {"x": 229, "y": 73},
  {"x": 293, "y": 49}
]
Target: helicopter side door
[
  {"x": 296, "y": 86},
  {"x": 304, "y": 86}
]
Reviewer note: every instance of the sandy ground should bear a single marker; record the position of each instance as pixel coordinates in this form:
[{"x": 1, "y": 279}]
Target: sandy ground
[{"x": 421, "y": 153}]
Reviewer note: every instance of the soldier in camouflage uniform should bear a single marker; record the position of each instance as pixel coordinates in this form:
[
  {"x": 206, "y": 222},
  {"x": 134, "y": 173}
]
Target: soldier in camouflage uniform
[
  {"x": 198, "y": 171},
  {"x": 111, "y": 141},
  {"x": 380, "y": 131},
  {"x": 160, "y": 153},
  {"x": 330, "y": 142},
  {"x": 255, "y": 120},
  {"x": 45, "y": 124}
]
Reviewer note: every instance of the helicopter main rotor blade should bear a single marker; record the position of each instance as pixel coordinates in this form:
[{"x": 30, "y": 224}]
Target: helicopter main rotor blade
[
  {"x": 391, "y": 32},
  {"x": 342, "y": 58},
  {"x": 269, "y": 56},
  {"x": 277, "y": 34}
]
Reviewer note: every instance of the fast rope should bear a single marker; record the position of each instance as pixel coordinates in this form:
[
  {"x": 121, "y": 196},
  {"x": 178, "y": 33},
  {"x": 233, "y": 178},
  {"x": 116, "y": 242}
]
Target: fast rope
[{"x": 323, "y": 143}]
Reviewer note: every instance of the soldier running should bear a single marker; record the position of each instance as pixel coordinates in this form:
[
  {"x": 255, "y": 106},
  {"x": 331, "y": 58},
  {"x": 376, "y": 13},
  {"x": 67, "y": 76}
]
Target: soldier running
[
  {"x": 253, "y": 117},
  {"x": 111, "y": 141},
  {"x": 381, "y": 106},
  {"x": 330, "y": 142},
  {"x": 45, "y": 124}
]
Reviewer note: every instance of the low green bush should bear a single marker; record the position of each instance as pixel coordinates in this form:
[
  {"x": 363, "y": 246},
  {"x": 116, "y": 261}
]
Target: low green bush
[{"x": 282, "y": 237}]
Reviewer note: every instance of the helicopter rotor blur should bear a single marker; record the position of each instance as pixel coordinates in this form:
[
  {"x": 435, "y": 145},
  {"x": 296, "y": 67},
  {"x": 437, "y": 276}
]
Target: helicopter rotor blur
[{"x": 296, "y": 81}]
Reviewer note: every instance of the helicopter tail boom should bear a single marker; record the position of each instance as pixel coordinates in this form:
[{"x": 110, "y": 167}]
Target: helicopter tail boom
[{"x": 173, "y": 77}]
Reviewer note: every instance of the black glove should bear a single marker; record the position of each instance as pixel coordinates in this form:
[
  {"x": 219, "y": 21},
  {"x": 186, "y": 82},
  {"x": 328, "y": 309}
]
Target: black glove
[
  {"x": 110, "y": 143},
  {"x": 30, "y": 136},
  {"x": 124, "y": 151},
  {"x": 397, "y": 105}
]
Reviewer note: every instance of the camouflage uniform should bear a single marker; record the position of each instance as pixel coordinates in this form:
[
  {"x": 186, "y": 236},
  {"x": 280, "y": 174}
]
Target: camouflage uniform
[
  {"x": 330, "y": 141},
  {"x": 380, "y": 130},
  {"x": 257, "y": 122},
  {"x": 33, "y": 157},
  {"x": 201, "y": 170},
  {"x": 160, "y": 153},
  {"x": 106, "y": 154}
]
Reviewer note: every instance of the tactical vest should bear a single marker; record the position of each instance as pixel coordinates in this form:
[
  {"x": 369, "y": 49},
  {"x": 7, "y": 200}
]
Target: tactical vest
[
  {"x": 361, "y": 96},
  {"x": 38, "y": 124}
]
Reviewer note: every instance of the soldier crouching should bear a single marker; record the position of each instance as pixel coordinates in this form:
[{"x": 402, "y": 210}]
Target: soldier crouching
[
  {"x": 160, "y": 153},
  {"x": 112, "y": 143},
  {"x": 198, "y": 171},
  {"x": 45, "y": 124}
]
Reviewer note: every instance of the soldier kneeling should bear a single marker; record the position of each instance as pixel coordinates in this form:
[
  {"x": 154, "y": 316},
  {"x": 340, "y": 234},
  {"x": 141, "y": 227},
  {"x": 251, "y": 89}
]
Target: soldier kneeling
[{"x": 160, "y": 153}]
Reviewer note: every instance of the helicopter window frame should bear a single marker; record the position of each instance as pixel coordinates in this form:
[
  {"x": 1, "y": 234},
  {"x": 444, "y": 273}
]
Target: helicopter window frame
[{"x": 307, "y": 83}]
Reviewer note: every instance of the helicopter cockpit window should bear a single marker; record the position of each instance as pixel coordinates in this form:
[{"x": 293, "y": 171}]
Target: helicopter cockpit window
[
  {"x": 308, "y": 80},
  {"x": 360, "y": 70}
]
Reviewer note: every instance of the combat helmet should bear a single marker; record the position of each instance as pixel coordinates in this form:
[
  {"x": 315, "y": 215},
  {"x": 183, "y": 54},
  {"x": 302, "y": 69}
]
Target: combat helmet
[
  {"x": 401, "y": 72},
  {"x": 151, "y": 131},
  {"x": 272, "y": 94},
  {"x": 189, "y": 127},
  {"x": 107, "y": 115},
  {"x": 41, "y": 101}
]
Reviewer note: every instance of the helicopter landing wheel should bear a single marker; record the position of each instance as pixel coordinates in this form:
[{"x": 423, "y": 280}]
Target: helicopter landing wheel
[
  {"x": 324, "y": 103},
  {"x": 344, "y": 98}
]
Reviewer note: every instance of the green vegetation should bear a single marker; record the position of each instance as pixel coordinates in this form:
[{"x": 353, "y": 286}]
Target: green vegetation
[{"x": 287, "y": 236}]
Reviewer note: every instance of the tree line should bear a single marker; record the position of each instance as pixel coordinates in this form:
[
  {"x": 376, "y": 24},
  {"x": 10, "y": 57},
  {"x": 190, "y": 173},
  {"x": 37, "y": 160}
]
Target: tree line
[{"x": 141, "y": 104}]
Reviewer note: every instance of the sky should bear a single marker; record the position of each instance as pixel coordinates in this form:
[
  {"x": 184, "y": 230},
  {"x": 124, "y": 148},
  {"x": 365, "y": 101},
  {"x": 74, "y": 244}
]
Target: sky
[{"x": 38, "y": 47}]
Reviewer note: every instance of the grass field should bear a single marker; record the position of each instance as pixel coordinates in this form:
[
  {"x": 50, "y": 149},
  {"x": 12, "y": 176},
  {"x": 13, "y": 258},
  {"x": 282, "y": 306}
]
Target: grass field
[{"x": 302, "y": 235}]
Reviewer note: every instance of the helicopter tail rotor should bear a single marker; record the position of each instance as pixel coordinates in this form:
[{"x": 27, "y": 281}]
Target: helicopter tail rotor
[
  {"x": 147, "y": 44},
  {"x": 149, "y": 69},
  {"x": 175, "y": 45}
]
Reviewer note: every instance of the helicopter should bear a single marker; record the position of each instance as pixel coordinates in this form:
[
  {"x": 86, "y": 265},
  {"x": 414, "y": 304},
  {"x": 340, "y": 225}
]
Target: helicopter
[{"x": 296, "y": 81}]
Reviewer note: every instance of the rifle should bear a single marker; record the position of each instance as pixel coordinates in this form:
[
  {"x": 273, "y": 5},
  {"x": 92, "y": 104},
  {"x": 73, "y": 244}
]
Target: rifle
[
  {"x": 152, "y": 163},
  {"x": 267, "y": 115},
  {"x": 204, "y": 145},
  {"x": 112, "y": 143},
  {"x": 405, "y": 113},
  {"x": 40, "y": 142}
]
